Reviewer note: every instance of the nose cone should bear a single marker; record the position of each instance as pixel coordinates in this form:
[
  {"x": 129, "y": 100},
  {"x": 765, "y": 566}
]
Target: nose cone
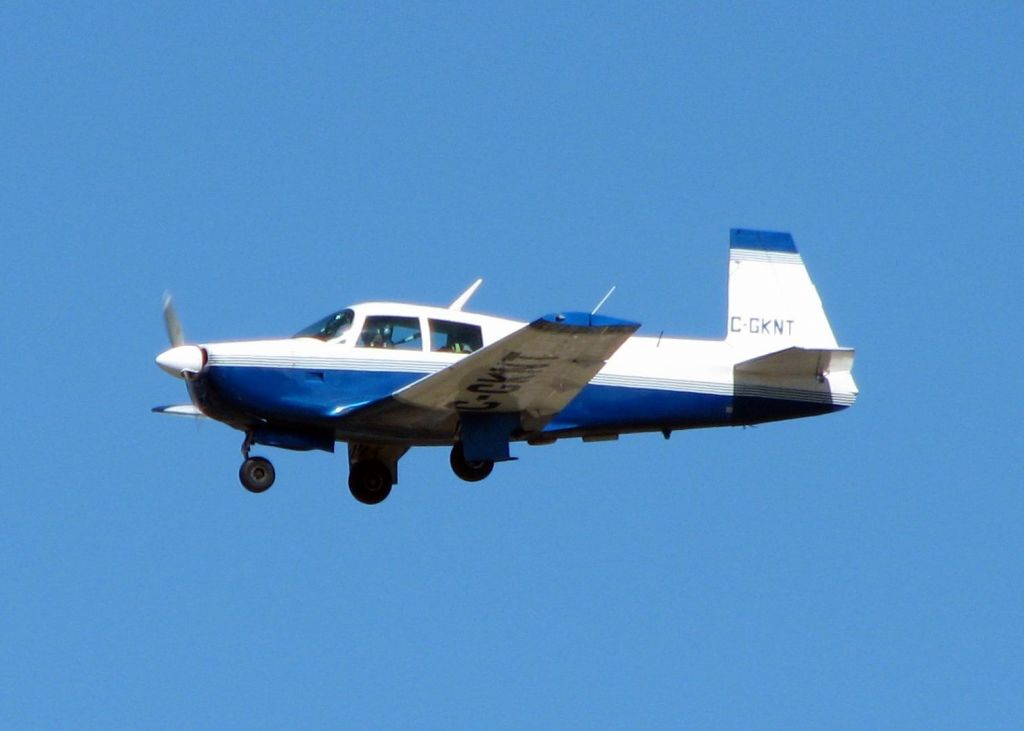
[{"x": 182, "y": 359}]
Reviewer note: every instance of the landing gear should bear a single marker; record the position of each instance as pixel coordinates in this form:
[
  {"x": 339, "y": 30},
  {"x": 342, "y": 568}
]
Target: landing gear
[
  {"x": 256, "y": 473},
  {"x": 466, "y": 470},
  {"x": 372, "y": 470},
  {"x": 370, "y": 481}
]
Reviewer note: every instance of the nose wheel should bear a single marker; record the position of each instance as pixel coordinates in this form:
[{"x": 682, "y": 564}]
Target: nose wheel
[{"x": 256, "y": 473}]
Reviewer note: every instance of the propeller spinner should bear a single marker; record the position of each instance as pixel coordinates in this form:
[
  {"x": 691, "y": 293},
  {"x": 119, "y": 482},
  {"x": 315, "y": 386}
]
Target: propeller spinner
[{"x": 179, "y": 360}]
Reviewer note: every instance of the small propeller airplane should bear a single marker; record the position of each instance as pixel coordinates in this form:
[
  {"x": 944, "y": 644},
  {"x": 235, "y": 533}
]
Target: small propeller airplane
[{"x": 383, "y": 377}]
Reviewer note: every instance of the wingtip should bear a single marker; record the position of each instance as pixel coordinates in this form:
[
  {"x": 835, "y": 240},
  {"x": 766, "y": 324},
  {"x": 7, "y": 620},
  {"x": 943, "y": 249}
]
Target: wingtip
[{"x": 584, "y": 321}]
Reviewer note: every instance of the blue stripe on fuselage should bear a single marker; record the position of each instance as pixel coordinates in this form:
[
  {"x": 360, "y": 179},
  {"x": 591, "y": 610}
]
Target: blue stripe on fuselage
[
  {"x": 315, "y": 398},
  {"x": 615, "y": 408},
  {"x": 297, "y": 394}
]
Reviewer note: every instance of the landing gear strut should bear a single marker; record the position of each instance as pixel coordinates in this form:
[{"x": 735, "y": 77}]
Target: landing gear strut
[
  {"x": 370, "y": 481},
  {"x": 256, "y": 473},
  {"x": 466, "y": 470}
]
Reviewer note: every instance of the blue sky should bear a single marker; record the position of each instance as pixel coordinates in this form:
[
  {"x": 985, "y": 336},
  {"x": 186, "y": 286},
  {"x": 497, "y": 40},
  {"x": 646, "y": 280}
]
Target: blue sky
[{"x": 269, "y": 163}]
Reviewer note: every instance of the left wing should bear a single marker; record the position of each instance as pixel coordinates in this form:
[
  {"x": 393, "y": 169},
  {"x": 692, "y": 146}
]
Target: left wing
[
  {"x": 517, "y": 383},
  {"x": 536, "y": 371}
]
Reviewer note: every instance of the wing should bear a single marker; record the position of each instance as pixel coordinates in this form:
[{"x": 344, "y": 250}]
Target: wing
[
  {"x": 535, "y": 371},
  {"x": 515, "y": 384},
  {"x": 179, "y": 410}
]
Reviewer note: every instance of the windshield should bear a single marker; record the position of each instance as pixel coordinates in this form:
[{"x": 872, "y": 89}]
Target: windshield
[{"x": 329, "y": 327}]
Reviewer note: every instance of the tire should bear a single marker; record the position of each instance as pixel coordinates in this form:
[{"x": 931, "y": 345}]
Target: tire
[
  {"x": 466, "y": 470},
  {"x": 369, "y": 481},
  {"x": 257, "y": 474}
]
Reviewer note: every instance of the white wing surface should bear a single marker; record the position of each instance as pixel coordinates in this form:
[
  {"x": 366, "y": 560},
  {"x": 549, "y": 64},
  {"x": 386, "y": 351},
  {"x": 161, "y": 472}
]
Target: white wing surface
[
  {"x": 531, "y": 374},
  {"x": 535, "y": 371}
]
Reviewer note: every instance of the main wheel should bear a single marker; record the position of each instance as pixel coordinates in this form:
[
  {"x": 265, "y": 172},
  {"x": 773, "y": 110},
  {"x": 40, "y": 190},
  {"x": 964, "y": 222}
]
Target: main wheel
[
  {"x": 369, "y": 481},
  {"x": 256, "y": 474},
  {"x": 466, "y": 470}
]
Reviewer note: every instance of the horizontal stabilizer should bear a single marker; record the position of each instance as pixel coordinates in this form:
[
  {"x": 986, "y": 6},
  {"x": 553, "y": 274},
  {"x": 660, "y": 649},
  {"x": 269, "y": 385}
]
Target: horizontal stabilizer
[
  {"x": 799, "y": 362},
  {"x": 179, "y": 410}
]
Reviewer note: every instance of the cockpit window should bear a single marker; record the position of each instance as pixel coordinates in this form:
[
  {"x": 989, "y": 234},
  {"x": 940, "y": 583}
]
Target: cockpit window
[
  {"x": 329, "y": 327},
  {"x": 391, "y": 332}
]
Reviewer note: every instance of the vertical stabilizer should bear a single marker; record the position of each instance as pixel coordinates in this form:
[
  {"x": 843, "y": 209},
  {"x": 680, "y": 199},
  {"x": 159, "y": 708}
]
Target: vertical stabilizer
[{"x": 772, "y": 301}]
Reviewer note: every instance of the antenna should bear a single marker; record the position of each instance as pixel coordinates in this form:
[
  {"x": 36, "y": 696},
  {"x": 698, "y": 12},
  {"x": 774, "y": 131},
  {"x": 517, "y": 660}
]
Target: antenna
[
  {"x": 603, "y": 300},
  {"x": 463, "y": 298}
]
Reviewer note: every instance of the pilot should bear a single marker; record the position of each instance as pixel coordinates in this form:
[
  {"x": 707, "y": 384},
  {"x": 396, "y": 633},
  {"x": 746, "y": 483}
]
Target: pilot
[
  {"x": 459, "y": 344},
  {"x": 381, "y": 337}
]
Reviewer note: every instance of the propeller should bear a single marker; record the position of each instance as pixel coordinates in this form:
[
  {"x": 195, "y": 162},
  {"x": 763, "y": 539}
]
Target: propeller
[
  {"x": 174, "y": 332},
  {"x": 183, "y": 361}
]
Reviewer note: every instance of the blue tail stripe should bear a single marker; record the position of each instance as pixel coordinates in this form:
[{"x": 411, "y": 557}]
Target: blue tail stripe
[{"x": 745, "y": 238}]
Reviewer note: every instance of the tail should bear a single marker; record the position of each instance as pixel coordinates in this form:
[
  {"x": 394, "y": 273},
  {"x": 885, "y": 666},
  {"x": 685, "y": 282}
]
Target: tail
[
  {"x": 773, "y": 303},
  {"x": 790, "y": 364}
]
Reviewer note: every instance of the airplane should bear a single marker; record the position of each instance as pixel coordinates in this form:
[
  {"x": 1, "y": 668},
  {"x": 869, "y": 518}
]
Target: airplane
[{"x": 383, "y": 377}]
